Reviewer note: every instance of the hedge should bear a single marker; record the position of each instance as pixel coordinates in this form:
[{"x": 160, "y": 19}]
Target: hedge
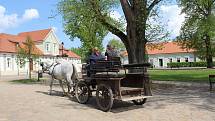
[{"x": 187, "y": 64}]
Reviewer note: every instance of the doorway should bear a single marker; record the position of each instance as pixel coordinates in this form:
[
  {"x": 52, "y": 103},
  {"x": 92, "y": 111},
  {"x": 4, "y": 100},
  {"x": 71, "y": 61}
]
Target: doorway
[{"x": 161, "y": 62}]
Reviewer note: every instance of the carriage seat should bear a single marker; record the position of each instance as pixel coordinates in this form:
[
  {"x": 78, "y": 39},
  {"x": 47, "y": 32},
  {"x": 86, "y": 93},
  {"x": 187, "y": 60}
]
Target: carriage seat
[{"x": 107, "y": 68}]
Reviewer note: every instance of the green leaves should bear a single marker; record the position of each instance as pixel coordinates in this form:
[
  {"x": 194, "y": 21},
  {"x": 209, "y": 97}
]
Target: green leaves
[
  {"x": 198, "y": 30},
  {"x": 117, "y": 44},
  {"x": 82, "y": 19},
  {"x": 26, "y": 52}
]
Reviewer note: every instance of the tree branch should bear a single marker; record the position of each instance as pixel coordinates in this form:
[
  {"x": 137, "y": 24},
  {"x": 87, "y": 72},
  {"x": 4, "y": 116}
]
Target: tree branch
[
  {"x": 198, "y": 6},
  {"x": 126, "y": 7},
  {"x": 110, "y": 27},
  {"x": 155, "y": 2}
]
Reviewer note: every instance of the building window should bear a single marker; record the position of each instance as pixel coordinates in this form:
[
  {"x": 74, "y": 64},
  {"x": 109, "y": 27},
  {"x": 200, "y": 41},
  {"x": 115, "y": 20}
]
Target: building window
[
  {"x": 54, "y": 48},
  {"x": 47, "y": 47},
  {"x": 9, "y": 63},
  {"x": 178, "y": 60},
  {"x": 170, "y": 60},
  {"x": 186, "y": 59}
]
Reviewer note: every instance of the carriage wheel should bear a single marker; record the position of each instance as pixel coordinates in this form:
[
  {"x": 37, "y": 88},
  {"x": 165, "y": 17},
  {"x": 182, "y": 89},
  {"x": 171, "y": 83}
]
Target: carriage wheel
[
  {"x": 104, "y": 97},
  {"x": 82, "y": 92},
  {"x": 139, "y": 101}
]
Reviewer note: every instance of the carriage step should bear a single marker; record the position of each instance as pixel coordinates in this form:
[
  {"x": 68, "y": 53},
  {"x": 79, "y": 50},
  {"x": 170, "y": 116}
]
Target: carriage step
[
  {"x": 130, "y": 89},
  {"x": 126, "y": 98}
]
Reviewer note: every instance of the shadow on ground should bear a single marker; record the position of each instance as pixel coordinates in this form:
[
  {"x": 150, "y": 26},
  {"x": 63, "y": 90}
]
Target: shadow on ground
[{"x": 163, "y": 95}]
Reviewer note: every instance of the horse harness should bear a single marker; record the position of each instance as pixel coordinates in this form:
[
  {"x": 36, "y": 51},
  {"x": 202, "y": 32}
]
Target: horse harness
[{"x": 52, "y": 73}]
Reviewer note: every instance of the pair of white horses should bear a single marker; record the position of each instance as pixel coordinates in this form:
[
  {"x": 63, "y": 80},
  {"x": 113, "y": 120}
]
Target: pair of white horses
[{"x": 63, "y": 71}]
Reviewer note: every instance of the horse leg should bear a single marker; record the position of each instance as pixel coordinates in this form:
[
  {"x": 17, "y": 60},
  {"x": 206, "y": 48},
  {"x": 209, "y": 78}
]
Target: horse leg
[
  {"x": 70, "y": 83},
  {"x": 61, "y": 84},
  {"x": 68, "y": 86},
  {"x": 51, "y": 83}
]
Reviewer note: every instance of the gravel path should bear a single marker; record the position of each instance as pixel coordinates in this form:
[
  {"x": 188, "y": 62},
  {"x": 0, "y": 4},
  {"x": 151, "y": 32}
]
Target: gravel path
[{"x": 30, "y": 102}]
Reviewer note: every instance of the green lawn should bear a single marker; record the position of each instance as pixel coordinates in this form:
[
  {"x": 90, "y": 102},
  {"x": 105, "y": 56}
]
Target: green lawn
[{"x": 200, "y": 75}]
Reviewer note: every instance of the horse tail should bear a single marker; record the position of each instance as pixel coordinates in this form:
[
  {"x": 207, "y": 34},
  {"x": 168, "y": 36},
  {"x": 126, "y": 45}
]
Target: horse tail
[{"x": 75, "y": 73}]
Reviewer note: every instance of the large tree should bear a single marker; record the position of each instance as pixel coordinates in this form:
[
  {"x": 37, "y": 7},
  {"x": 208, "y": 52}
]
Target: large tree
[
  {"x": 117, "y": 44},
  {"x": 198, "y": 30},
  {"x": 80, "y": 22},
  {"x": 139, "y": 16},
  {"x": 27, "y": 52}
]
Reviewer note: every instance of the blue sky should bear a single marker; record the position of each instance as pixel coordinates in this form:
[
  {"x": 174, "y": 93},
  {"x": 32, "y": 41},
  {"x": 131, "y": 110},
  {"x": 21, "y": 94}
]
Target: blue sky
[{"x": 26, "y": 15}]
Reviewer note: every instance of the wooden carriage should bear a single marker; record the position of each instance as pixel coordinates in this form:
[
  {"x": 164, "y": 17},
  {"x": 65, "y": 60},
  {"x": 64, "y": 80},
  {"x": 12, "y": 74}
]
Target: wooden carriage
[{"x": 111, "y": 80}]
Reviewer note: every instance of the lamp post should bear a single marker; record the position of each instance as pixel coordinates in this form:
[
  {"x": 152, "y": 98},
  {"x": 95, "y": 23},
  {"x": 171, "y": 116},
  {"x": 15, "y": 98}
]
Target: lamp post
[{"x": 62, "y": 44}]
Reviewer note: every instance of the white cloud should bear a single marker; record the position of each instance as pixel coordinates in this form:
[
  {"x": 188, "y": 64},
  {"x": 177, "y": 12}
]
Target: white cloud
[
  {"x": 30, "y": 14},
  {"x": 173, "y": 18},
  {"x": 8, "y": 21},
  {"x": 55, "y": 29},
  {"x": 115, "y": 15}
]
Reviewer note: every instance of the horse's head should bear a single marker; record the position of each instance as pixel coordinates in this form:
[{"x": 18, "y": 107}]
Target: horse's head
[{"x": 45, "y": 66}]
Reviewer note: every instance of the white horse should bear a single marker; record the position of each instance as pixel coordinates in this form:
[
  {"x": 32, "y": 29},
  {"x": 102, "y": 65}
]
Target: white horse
[{"x": 61, "y": 70}]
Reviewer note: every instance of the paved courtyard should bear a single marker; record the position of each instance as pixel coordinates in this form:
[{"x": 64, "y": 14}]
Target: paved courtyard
[{"x": 30, "y": 102}]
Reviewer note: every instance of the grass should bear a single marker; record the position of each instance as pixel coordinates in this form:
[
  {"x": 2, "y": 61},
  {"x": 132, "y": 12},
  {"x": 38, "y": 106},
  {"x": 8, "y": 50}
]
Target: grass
[
  {"x": 200, "y": 75},
  {"x": 25, "y": 81}
]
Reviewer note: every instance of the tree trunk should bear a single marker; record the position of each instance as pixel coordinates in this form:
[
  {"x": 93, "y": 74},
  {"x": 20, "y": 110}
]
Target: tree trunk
[
  {"x": 30, "y": 60},
  {"x": 209, "y": 56}
]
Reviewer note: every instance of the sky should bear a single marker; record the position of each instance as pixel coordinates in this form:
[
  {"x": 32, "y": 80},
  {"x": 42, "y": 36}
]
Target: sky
[{"x": 27, "y": 15}]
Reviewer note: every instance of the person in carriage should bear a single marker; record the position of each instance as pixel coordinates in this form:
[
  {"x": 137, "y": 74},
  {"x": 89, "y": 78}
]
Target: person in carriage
[
  {"x": 111, "y": 52},
  {"x": 93, "y": 57}
]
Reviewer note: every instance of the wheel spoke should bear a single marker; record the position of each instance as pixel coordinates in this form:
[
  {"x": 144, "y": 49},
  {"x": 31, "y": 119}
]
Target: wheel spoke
[
  {"x": 82, "y": 92},
  {"x": 104, "y": 97}
]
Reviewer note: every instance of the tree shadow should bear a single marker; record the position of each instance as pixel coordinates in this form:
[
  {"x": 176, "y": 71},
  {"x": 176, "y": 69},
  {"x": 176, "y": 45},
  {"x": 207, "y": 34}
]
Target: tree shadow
[
  {"x": 118, "y": 106},
  {"x": 163, "y": 95},
  {"x": 196, "y": 96}
]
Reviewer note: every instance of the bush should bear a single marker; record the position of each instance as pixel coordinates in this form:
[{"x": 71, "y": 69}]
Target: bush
[{"x": 186, "y": 64}]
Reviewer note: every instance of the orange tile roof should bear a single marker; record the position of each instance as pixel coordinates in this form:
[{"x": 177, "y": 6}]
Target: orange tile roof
[
  {"x": 8, "y": 42},
  {"x": 69, "y": 53},
  {"x": 167, "y": 48},
  {"x": 35, "y": 49},
  {"x": 7, "y": 46},
  {"x": 37, "y": 36},
  {"x": 163, "y": 48},
  {"x": 10, "y": 37}
]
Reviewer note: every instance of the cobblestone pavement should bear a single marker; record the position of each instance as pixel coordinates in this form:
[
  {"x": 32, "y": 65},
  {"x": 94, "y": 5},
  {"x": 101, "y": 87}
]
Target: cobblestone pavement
[{"x": 30, "y": 102}]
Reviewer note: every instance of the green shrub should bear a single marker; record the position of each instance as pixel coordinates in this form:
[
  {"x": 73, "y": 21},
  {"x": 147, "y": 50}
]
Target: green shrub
[{"x": 186, "y": 64}]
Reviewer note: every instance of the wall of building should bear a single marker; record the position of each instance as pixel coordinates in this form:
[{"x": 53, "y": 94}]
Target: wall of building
[
  {"x": 154, "y": 59},
  {"x": 52, "y": 42},
  {"x": 166, "y": 58},
  {"x": 9, "y": 65}
]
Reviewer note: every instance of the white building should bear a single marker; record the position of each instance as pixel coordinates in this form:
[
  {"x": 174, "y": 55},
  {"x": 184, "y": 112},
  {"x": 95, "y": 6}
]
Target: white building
[
  {"x": 47, "y": 44},
  {"x": 166, "y": 53}
]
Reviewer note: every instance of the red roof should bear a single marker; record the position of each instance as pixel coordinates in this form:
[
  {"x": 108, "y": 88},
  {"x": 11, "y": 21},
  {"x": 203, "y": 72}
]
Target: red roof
[
  {"x": 69, "y": 53},
  {"x": 7, "y": 46},
  {"x": 34, "y": 49},
  {"x": 168, "y": 48},
  {"x": 10, "y": 37},
  {"x": 163, "y": 48},
  {"x": 8, "y": 42},
  {"x": 37, "y": 36}
]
